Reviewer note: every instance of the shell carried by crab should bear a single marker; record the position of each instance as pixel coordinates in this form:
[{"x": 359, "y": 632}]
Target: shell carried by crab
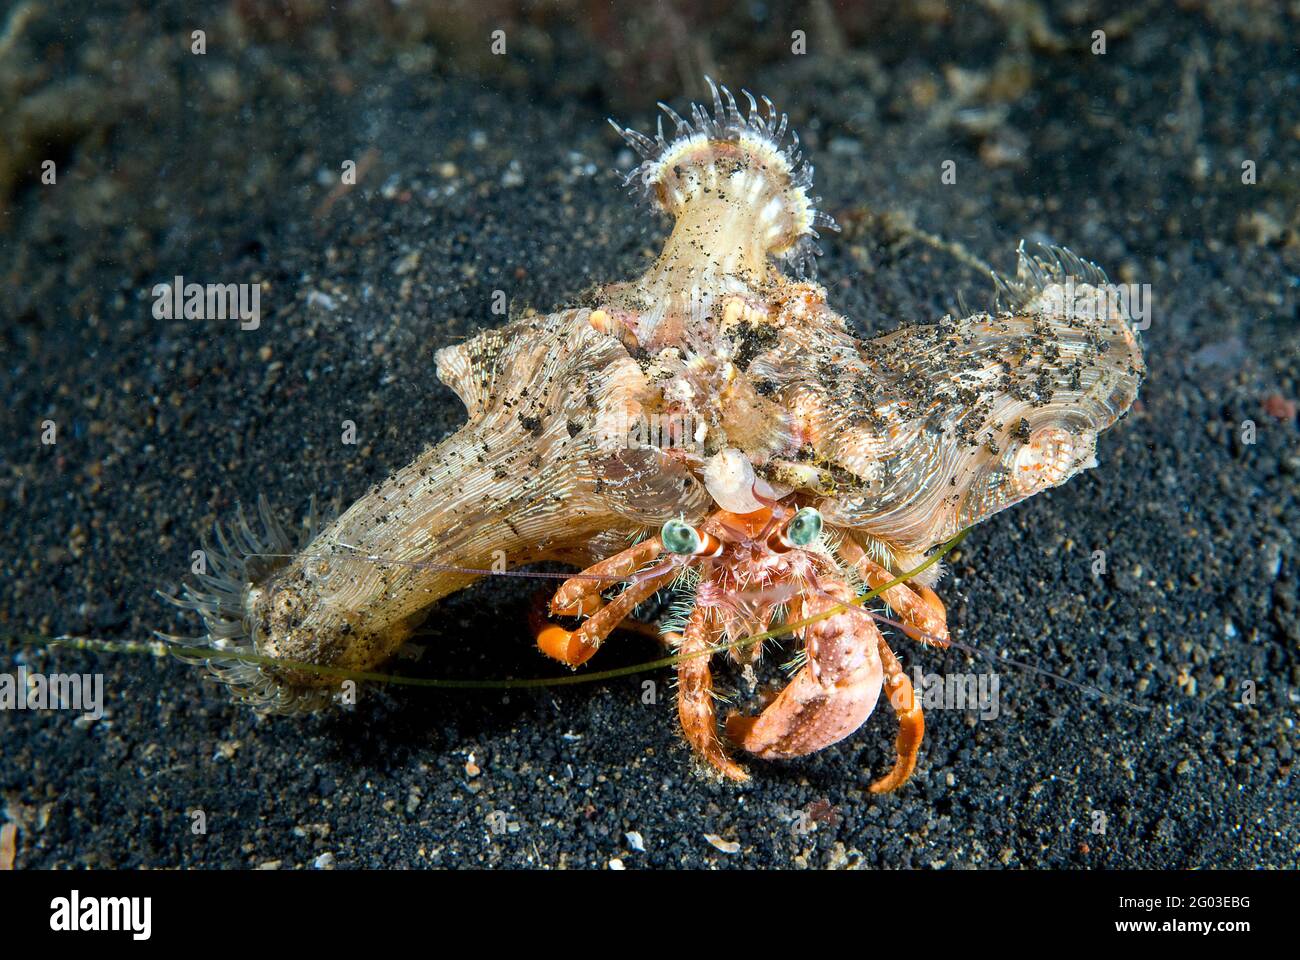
[{"x": 803, "y": 465}]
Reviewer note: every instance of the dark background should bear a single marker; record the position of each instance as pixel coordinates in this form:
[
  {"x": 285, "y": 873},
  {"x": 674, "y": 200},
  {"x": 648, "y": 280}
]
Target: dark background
[{"x": 483, "y": 173}]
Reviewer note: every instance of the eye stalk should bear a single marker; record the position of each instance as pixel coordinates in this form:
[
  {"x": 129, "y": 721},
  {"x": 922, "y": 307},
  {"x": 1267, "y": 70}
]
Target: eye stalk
[
  {"x": 678, "y": 536},
  {"x": 804, "y": 527}
]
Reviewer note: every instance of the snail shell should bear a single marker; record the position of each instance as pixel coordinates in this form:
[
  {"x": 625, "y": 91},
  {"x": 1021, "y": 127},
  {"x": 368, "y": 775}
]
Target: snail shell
[{"x": 920, "y": 433}]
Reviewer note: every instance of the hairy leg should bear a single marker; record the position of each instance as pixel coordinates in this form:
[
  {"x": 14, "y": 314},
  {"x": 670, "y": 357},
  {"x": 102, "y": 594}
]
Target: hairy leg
[
  {"x": 580, "y": 595},
  {"x": 919, "y": 608},
  {"x": 576, "y": 647},
  {"x": 911, "y": 722},
  {"x": 695, "y": 707}
]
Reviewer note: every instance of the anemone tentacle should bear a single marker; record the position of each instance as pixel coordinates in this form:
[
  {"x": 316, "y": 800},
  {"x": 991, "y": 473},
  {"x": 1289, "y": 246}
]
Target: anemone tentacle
[{"x": 756, "y": 134}]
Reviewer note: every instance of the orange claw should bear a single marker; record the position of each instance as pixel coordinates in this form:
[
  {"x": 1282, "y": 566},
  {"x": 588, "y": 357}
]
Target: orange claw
[
  {"x": 831, "y": 695},
  {"x": 919, "y": 608},
  {"x": 936, "y": 606},
  {"x": 576, "y": 647},
  {"x": 582, "y": 607},
  {"x": 580, "y": 596},
  {"x": 560, "y": 644}
]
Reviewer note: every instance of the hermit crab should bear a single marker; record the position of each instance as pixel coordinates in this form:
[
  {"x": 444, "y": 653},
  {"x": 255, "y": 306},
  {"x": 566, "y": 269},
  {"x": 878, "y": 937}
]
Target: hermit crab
[
  {"x": 718, "y": 416},
  {"x": 745, "y": 572}
]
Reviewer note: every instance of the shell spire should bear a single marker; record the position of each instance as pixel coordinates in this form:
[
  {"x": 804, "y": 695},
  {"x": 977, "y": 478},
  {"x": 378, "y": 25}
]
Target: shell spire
[{"x": 739, "y": 160}]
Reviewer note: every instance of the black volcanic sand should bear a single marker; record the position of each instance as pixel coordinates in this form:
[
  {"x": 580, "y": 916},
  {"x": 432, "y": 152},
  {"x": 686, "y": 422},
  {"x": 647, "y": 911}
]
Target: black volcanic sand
[{"x": 220, "y": 169}]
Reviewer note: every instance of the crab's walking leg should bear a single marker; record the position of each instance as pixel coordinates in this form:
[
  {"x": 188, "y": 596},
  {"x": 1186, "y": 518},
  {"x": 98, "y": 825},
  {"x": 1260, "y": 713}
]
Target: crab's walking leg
[
  {"x": 580, "y": 595},
  {"x": 575, "y": 647},
  {"x": 911, "y": 721},
  {"x": 831, "y": 695},
  {"x": 695, "y": 695},
  {"x": 919, "y": 608}
]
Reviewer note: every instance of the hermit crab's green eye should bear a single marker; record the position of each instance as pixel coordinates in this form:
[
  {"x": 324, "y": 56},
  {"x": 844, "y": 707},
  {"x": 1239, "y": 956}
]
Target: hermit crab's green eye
[
  {"x": 805, "y": 527},
  {"x": 678, "y": 536}
]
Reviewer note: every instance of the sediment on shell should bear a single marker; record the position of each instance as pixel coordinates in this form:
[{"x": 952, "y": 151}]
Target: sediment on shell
[
  {"x": 541, "y": 472},
  {"x": 918, "y": 434}
]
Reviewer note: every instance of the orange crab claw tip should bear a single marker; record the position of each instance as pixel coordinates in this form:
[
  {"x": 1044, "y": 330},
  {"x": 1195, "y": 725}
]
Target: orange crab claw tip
[
  {"x": 936, "y": 635},
  {"x": 932, "y": 601},
  {"x": 929, "y": 623},
  {"x": 563, "y": 645}
]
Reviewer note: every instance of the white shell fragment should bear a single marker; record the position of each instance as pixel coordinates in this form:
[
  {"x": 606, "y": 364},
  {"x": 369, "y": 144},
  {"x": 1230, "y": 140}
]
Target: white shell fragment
[{"x": 726, "y": 846}]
